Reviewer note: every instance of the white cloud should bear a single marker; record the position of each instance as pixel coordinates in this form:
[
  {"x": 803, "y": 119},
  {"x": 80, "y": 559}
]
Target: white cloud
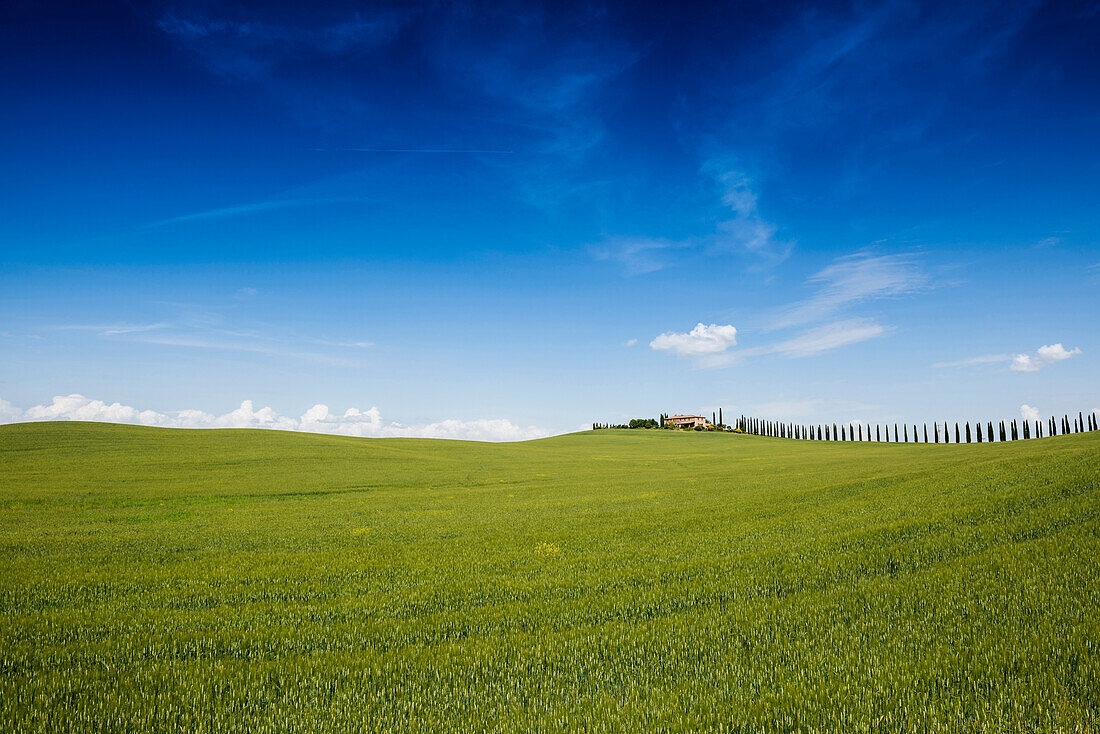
[
  {"x": 700, "y": 341},
  {"x": 852, "y": 279},
  {"x": 1043, "y": 356},
  {"x": 318, "y": 419},
  {"x": 8, "y": 412},
  {"x": 1028, "y": 413},
  {"x": 630, "y": 342}
]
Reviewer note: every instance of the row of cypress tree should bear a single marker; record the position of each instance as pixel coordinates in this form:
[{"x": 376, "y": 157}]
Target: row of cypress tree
[{"x": 1010, "y": 431}]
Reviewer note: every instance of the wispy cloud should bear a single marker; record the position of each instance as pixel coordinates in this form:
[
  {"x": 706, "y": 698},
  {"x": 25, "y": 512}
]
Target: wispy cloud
[
  {"x": 711, "y": 347},
  {"x": 1042, "y": 357},
  {"x": 344, "y": 344},
  {"x": 318, "y": 419},
  {"x": 636, "y": 255},
  {"x": 252, "y": 347},
  {"x": 428, "y": 150},
  {"x": 848, "y": 281},
  {"x": 745, "y": 233},
  {"x": 826, "y": 338},
  {"x": 205, "y": 329},
  {"x": 252, "y": 47},
  {"x": 974, "y": 361},
  {"x": 115, "y": 329},
  {"x": 245, "y": 209},
  {"x": 854, "y": 279}
]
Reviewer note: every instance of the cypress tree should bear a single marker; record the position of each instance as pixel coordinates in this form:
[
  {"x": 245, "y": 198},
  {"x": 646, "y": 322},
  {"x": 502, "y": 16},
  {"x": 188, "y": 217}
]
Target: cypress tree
[
  {"x": 978, "y": 430},
  {"x": 926, "y": 433},
  {"x": 896, "y": 435},
  {"x": 861, "y": 432},
  {"x": 720, "y": 417},
  {"x": 878, "y": 432},
  {"x": 1027, "y": 431},
  {"x": 968, "y": 431}
]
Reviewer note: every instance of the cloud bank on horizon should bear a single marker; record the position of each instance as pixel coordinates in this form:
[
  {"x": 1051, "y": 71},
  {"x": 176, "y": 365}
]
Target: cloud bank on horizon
[{"x": 318, "y": 419}]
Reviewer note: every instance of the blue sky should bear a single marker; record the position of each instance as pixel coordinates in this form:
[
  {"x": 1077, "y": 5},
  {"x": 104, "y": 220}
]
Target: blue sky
[{"x": 500, "y": 221}]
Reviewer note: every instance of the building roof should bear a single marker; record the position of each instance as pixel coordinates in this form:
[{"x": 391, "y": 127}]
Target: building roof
[{"x": 673, "y": 417}]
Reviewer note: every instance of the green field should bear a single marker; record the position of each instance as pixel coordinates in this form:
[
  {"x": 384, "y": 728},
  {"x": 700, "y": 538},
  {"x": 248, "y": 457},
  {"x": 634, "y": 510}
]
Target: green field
[{"x": 260, "y": 581}]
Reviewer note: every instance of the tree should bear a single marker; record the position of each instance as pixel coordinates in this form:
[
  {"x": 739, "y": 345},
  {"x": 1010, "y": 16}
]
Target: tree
[
  {"x": 968, "y": 432},
  {"x": 926, "y": 433}
]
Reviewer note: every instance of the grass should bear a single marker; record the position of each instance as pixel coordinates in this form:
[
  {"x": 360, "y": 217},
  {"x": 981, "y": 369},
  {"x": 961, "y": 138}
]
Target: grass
[{"x": 252, "y": 581}]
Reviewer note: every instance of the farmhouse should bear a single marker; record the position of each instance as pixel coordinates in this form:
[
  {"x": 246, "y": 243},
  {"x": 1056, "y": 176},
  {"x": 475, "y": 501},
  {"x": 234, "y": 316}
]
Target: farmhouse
[{"x": 687, "y": 421}]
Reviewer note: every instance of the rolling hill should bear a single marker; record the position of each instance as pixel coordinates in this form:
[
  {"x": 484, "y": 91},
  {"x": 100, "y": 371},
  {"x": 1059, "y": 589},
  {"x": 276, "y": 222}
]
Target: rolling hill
[{"x": 238, "y": 580}]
